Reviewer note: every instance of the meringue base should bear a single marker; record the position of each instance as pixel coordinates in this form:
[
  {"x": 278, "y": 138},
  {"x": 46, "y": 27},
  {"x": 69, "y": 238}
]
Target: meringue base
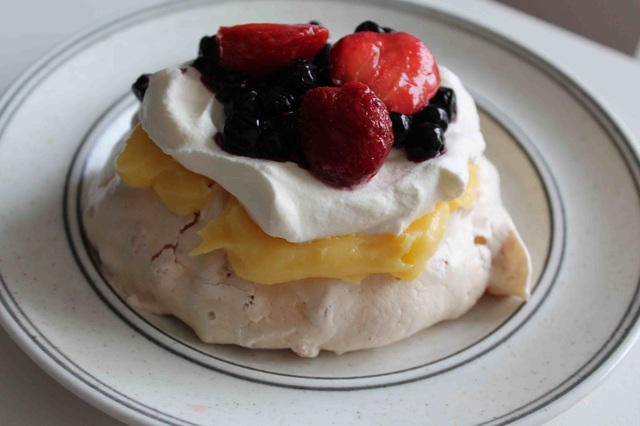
[{"x": 144, "y": 251}]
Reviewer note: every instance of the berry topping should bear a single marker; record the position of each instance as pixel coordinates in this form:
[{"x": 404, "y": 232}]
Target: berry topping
[
  {"x": 431, "y": 114},
  {"x": 401, "y": 128},
  {"x": 141, "y": 85},
  {"x": 209, "y": 48},
  {"x": 224, "y": 83},
  {"x": 373, "y": 27},
  {"x": 446, "y": 98},
  {"x": 275, "y": 83},
  {"x": 270, "y": 138},
  {"x": 260, "y": 124},
  {"x": 425, "y": 142},
  {"x": 398, "y": 67},
  {"x": 243, "y": 102},
  {"x": 208, "y": 55},
  {"x": 423, "y": 133},
  {"x": 345, "y": 133},
  {"x": 321, "y": 62},
  {"x": 240, "y": 134},
  {"x": 299, "y": 77},
  {"x": 276, "y": 100},
  {"x": 262, "y": 49}
]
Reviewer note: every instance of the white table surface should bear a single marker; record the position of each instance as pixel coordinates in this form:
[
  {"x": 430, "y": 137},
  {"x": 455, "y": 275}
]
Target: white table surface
[{"x": 30, "y": 28}]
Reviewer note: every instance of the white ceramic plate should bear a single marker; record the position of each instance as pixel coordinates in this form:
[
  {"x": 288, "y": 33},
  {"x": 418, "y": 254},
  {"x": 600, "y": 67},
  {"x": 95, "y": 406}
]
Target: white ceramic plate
[{"x": 569, "y": 178}]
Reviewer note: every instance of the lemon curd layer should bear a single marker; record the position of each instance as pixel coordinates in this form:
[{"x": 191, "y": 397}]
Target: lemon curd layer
[
  {"x": 143, "y": 165},
  {"x": 256, "y": 256}
]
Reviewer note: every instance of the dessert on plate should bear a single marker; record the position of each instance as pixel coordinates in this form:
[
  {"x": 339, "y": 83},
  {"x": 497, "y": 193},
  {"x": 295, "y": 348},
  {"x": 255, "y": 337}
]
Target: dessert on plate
[{"x": 283, "y": 192}]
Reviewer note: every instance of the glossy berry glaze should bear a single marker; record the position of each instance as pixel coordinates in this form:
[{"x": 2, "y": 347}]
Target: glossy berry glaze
[{"x": 263, "y": 90}]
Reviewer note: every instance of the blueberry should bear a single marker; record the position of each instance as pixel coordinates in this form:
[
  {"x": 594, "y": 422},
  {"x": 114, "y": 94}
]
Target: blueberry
[
  {"x": 401, "y": 128},
  {"x": 243, "y": 102},
  {"x": 209, "y": 48},
  {"x": 271, "y": 145},
  {"x": 315, "y": 23},
  {"x": 275, "y": 100},
  {"x": 139, "y": 88},
  {"x": 369, "y": 26},
  {"x": 225, "y": 83},
  {"x": 205, "y": 66},
  {"x": 240, "y": 135},
  {"x": 388, "y": 30},
  {"x": 208, "y": 56},
  {"x": 446, "y": 98},
  {"x": 277, "y": 139},
  {"x": 425, "y": 142},
  {"x": 321, "y": 61},
  {"x": 267, "y": 138},
  {"x": 431, "y": 114},
  {"x": 299, "y": 77}
]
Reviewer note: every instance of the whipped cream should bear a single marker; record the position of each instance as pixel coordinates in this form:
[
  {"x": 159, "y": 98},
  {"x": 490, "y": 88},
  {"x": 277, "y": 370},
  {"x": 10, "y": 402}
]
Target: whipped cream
[{"x": 182, "y": 117}]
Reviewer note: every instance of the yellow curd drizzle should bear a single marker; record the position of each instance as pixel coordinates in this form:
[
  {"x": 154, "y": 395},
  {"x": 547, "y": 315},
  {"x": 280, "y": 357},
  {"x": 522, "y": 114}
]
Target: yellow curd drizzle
[{"x": 256, "y": 256}]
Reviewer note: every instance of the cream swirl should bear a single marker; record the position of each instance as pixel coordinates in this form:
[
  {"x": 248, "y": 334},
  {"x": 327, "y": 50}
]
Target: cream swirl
[{"x": 182, "y": 116}]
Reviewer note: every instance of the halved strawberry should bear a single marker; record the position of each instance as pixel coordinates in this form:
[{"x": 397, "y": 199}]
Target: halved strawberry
[
  {"x": 345, "y": 133},
  {"x": 262, "y": 49},
  {"x": 398, "y": 67}
]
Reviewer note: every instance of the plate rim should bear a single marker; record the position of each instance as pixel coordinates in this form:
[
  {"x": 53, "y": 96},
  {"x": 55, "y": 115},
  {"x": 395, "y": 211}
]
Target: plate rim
[{"x": 18, "y": 91}]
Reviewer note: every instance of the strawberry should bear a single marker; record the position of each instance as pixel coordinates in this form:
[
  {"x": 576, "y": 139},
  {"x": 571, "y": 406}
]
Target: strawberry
[
  {"x": 345, "y": 133},
  {"x": 262, "y": 49},
  {"x": 397, "y": 66}
]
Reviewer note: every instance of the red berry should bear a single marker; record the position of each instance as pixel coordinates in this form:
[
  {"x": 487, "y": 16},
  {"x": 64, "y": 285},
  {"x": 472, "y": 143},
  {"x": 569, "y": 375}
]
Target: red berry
[
  {"x": 262, "y": 49},
  {"x": 345, "y": 133},
  {"x": 398, "y": 67}
]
